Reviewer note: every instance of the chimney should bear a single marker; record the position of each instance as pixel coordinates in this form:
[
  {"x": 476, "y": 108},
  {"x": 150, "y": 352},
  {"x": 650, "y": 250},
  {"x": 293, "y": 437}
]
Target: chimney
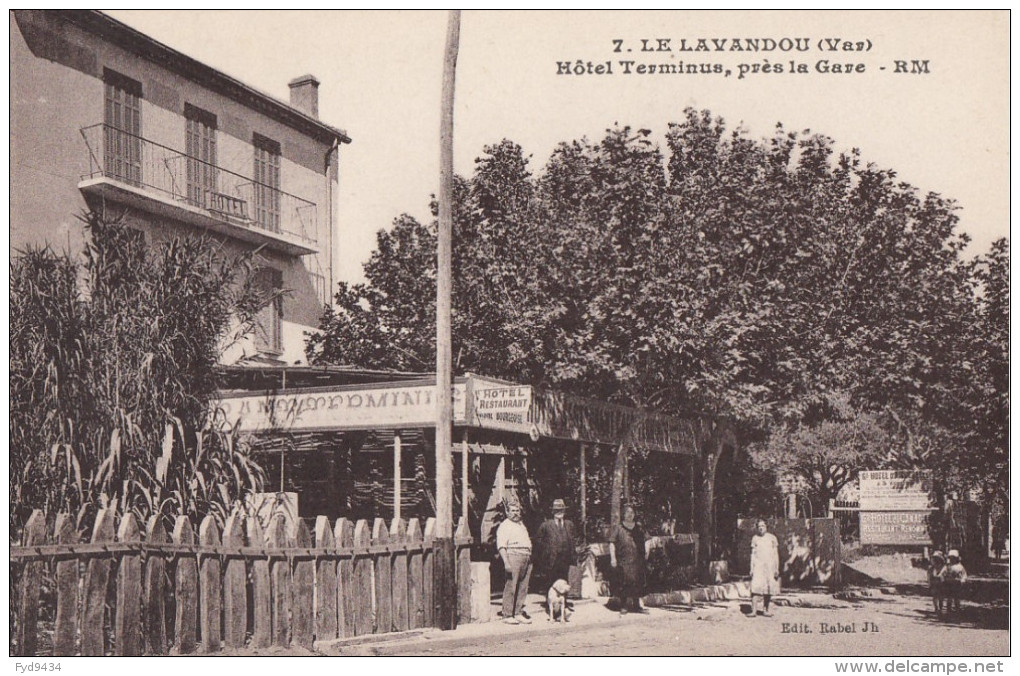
[{"x": 304, "y": 95}]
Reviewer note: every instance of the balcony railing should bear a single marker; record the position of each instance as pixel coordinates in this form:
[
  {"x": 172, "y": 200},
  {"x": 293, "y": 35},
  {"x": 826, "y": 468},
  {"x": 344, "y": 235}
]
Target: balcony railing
[{"x": 227, "y": 196}]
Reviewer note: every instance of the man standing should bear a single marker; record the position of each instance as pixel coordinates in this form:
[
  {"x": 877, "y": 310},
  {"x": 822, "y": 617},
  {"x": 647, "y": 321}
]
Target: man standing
[
  {"x": 514, "y": 546},
  {"x": 556, "y": 546}
]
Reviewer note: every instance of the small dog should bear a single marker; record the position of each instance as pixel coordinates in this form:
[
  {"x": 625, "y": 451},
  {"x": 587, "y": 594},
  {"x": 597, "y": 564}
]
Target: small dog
[{"x": 556, "y": 601}]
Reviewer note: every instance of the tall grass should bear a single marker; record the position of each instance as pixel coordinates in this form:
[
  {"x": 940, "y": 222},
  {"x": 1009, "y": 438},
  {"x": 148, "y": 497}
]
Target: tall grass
[{"x": 113, "y": 359}]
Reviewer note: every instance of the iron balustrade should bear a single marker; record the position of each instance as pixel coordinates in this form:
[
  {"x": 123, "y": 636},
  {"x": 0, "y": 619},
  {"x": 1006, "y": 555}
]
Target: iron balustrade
[{"x": 226, "y": 195}]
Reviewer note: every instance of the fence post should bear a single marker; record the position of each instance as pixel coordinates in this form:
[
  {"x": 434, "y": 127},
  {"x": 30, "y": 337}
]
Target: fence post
[
  {"x": 97, "y": 577},
  {"x": 210, "y": 593},
  {"x": 347, "y": 611},
  {"x": 67, "y": 591},
  {"x": 235, "y": 597},
  {"x": 363, "y": 591},
  {"x": 28, "y": 586},
  {"x": 128, "y": 640},
  {"x": 280, "y": 573},
  {"x": 325, "y": 584},
  {"x": 154, "y": 590},
  {"x": 461, "y": 537},
  {"x": 383, "y": 581},
  {"x": 398, "y": 537},
  {"x": 427, "y": 577},
  {"x": 303, "y": 586},
  {"x": 186, "y": 589},
  {"x": 415, "y": 603},
  {"x": 262, "y": 597}
]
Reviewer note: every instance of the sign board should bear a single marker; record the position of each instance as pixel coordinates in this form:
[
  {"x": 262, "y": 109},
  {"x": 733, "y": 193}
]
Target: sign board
[
  {"x": 895, "y": 490},
  {"x": 341, "y": 408},
  {"x": 500, "y": 406},
  {"x": 895, "y": 528}
]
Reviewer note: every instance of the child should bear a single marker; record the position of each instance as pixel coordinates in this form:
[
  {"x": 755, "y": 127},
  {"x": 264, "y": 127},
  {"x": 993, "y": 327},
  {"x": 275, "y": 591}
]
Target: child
[
  {"x": 936, "y": 579},
  {"x": 953, "y": 581}
]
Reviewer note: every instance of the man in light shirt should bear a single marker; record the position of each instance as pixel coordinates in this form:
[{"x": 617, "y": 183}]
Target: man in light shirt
[{"x": 514, "y": 547}]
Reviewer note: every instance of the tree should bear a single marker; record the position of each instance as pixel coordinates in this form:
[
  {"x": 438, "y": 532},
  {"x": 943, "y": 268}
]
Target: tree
[
  {"x": 750, "y": 285},
  {"x": 113, "y": 362},
  {"x": 826, "y": 455}
]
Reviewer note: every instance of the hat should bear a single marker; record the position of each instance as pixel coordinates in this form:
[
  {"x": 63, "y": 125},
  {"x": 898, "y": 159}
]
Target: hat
[
  {"x": 559, "y": 505},
  {"x": 937, "y": 554},
  {"x": 954, "y": 553}
]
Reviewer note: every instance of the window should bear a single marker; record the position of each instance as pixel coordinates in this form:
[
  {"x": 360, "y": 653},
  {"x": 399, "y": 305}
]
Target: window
[
  {"x": 319, "y": 282},
  {"x": 267, "y": 182},
  {"x": 269, "y": 321},
  {"x": 200, "y": 147},
  {"x": 122, "y": 148}
]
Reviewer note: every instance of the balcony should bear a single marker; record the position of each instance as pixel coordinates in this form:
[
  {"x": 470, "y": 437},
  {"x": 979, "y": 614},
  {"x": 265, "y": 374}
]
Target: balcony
[{"x": 131, "y": 170}]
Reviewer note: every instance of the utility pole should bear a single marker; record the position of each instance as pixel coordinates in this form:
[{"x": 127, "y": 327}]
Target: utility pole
[{"x": 445, "y": 568}]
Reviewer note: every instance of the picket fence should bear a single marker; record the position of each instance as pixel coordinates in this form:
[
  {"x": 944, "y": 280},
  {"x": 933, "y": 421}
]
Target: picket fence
[{"x": 134, "y": 593}]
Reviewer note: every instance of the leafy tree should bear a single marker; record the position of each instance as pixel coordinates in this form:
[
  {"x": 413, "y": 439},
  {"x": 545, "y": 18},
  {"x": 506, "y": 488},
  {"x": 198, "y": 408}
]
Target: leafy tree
[
  {"x": 754, "y": 286},
  {"x": 827, "y": 455},
  {"x": 113, "y": 362}
]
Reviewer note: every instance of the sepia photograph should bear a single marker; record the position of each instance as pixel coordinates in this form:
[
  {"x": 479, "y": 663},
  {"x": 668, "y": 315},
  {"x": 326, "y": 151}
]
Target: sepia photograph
[{"x": 476, "y": 333}]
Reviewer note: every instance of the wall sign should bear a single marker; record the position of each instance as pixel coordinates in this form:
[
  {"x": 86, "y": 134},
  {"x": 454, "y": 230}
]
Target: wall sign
[{"x": 341, "y": 408}]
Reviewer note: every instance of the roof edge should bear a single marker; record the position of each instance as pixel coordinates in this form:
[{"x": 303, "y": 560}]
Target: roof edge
[{"x": 105, "y": 26}]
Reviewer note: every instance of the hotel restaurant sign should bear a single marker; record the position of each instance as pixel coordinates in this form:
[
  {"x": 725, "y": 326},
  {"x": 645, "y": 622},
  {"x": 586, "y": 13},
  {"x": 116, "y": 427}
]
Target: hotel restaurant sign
[
  {"x": 477, "y": 402},
  {"x": 895, "y": 507}
]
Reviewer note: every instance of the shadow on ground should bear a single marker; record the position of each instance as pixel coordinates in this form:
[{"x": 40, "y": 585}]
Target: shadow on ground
[{"x": 992, "y": 617}]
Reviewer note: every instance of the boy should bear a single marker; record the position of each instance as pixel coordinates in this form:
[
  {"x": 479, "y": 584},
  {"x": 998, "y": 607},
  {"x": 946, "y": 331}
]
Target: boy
[
  {"x": 936, "y": 575},
  {"x": 953, "y": 580}
]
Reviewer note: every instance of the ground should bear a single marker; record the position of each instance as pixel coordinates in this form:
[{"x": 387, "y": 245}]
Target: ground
[{"x": 881, "y": 624}]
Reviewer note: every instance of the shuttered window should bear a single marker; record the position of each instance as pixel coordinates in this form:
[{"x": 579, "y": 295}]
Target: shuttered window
[
  {"x": 267, "y": 182},
  {"x": 269, "y": 322},
  {"x": 200, "y": 147},
  {"x": 122, "y": 113}
]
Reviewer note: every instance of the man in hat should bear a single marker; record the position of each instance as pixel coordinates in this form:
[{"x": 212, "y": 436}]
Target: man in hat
[
  {"x": 514, "y": 548},
  {"x": 556, "y": 546}
]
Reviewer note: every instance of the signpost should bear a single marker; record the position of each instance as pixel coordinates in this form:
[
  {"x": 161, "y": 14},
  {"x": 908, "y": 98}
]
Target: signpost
[
  {"x": 886, "y": 490},
  {"x": 895, "y": 506},
  {"x": 895, "y": 528}
]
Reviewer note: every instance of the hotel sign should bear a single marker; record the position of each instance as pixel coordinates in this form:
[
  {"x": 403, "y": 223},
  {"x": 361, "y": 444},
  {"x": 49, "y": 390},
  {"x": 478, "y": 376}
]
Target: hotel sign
[
  {"x": 895, "y": 528},
  {"x": 341, "y": 408},
  {"x": 500, "y": 406},
  {"x": 895, "y": 490}
]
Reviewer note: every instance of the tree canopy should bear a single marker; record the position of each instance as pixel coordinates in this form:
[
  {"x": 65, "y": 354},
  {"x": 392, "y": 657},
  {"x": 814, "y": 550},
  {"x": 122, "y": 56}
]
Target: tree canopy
[{"x": 775, "y": 284}]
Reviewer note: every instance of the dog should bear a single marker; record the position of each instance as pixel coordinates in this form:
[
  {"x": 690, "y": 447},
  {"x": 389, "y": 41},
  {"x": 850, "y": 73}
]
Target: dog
[{"x": 556, "y": 602}]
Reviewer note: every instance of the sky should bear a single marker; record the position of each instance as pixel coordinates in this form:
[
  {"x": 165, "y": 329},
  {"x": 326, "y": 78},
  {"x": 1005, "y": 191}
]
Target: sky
[{"x": 945, "y": 130}]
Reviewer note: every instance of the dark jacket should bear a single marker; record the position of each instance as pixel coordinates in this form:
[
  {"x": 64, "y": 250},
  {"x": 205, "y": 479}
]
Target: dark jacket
[{"x": 556, "y": 549}]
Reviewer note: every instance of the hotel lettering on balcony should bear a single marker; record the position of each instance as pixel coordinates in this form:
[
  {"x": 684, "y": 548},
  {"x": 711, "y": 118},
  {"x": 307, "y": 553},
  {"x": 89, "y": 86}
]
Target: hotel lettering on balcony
[{"x": 104, "y": 117}]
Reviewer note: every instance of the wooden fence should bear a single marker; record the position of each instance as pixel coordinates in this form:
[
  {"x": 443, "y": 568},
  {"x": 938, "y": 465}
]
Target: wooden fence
[{"x": 134, "y": 592}]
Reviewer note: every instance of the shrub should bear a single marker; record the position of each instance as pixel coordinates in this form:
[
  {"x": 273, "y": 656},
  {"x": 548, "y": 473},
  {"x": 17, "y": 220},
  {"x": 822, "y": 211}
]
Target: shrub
[{"x": 113, "y": 362}]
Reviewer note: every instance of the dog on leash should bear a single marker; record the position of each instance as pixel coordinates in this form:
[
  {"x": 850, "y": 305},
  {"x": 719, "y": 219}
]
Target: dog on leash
[{"x": 556, "y": 602}]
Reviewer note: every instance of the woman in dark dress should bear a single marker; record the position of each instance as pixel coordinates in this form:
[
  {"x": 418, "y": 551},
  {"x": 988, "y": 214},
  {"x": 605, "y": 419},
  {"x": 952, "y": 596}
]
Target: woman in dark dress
[{"x": 627, "y": 556}]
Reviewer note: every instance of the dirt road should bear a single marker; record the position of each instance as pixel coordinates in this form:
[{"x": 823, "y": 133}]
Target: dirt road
[{"x": 819, "y": 626}]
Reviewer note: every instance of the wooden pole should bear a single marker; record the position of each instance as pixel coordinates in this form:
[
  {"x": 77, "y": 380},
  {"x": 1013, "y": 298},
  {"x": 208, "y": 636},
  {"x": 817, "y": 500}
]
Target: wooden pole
[
  {"x": 396, "y": 475},
  {"x": 584, "y": 491},
  {"x": 464, "y": 475},
  {"x": 445, "y": 570}
]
